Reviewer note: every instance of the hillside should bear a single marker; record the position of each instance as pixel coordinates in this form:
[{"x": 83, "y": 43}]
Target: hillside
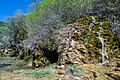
[{"x": 77, "y": 39}]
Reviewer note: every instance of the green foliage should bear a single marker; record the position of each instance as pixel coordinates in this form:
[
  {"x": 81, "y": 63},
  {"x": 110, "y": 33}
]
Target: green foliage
[
  {"x": 48, "y": 16},
  {"x": 1, "y": 44},
  {"x": 52, "y": 15},
  {"x": 17, "y": 27},
  {"x": 4, "y": 33},
  {"x": 86, "y": 37},
  {"x": 67, "y": 9},
  {"x": 74, "y": 70},
  {"x": 93, "y": 43},
  {"x": 110, "y": 9},
  {"x": 39, "y": 74},
  {"x": 18, "y": 71},
  {"x": 71, "y": 69},
  {"x": 1, "y": 23}
]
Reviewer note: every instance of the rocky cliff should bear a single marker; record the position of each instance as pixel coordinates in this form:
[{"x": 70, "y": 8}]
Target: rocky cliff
[{"x": 83, "y": 41}]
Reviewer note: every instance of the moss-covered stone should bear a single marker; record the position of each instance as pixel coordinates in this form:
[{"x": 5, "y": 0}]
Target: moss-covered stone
[{"x": 92, "y": 42}]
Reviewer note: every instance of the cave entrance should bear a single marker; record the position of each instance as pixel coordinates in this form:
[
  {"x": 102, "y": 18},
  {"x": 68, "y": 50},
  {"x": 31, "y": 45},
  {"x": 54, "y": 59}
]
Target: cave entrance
[{"x": 52, "y": 56}]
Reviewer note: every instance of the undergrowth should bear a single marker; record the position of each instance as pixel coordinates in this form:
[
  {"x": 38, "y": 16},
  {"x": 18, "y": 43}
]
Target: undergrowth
[{"x": 39, "y": 74}]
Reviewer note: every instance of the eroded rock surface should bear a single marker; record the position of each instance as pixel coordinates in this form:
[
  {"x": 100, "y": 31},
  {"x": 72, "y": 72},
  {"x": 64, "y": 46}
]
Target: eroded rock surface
[
  {"x": 69, "y": 48},
  {"x": 78, "y": 44}
]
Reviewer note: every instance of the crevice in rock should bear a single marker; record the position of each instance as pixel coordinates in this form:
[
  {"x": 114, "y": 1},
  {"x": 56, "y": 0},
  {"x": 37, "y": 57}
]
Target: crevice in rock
[{"x": 51, "y": 55}]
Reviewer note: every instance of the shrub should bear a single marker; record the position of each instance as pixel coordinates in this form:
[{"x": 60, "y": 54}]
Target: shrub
[
  {"x": 4, "y": 33},
  {"x": 73, "y": 70},
  {"x": 110, "y": 9},
  {"x": 16, "y": 25}
]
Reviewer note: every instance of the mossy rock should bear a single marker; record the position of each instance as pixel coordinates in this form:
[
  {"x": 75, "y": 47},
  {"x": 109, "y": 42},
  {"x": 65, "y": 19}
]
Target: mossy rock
[{"x": 94, "y": 45}]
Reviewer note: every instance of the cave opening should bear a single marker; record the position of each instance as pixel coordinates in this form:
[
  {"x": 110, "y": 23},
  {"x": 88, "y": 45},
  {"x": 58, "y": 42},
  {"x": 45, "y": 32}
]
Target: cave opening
[{"x": 52, "y": 56}]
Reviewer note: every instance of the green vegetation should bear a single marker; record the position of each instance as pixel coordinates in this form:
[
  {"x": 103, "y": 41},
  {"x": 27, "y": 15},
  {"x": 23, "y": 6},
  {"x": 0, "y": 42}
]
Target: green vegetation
[
  {"x": 74, "y": 70},
  {"x": 50, "y": 15},
  {"x": 37, "y": 30},
  {"x": 17, "y": 25},
  {"x": 54, "y": 12},
  {"x": 13, "y": 29},
  {"x": 59, "y": 30},
  {"x": 91, "y": 37},
  {"x": 4, "y": 33},
  {"x": 39, "y": 74}
]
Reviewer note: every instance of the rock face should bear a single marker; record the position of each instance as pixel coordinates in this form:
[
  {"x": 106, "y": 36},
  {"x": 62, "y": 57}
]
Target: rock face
[
  {"x": 10, "y": 50},
  {"x": 69, "y": 49},
  {"x": 38, "y": 58},
  {"x": 78, "y": 44}
]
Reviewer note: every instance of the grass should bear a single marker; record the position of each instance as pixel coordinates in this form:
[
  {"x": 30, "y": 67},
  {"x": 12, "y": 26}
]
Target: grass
[
  {"x": 18, "y": 71},
  {"x": 39, "y": 74}
]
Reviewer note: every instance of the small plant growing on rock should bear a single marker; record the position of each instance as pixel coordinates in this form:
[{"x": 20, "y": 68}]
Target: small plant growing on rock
[{"x": 73, "y": 70}]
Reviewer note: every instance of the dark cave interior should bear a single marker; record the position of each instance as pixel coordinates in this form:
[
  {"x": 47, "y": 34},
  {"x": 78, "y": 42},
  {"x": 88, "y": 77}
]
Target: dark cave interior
[{"x": 52, "y": 56}]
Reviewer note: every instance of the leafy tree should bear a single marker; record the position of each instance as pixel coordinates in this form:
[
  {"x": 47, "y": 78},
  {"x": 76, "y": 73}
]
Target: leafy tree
[
  {"x": 16, "y": 24},
  {"x": 52, "y": 15},
  {"x": 4, "y": 30}
]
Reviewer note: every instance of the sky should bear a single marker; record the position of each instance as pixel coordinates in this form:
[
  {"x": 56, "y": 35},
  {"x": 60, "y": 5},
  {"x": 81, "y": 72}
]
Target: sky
[{"x": 9, "y": 7}]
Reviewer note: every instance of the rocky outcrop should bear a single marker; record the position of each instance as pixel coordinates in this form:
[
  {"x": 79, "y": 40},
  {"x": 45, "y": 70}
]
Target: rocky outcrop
[
  {"x": 77, "y": 44},
  {"x": 10, "y": 50},
  {"x": 69, "y": 49},
  {"x": 39, "y": 60}
]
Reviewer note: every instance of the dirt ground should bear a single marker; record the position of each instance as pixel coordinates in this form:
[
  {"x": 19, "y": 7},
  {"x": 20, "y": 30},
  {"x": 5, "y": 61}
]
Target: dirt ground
[
  {"x": 9, "y": 70},
  {"x": 12, "y": 69}
]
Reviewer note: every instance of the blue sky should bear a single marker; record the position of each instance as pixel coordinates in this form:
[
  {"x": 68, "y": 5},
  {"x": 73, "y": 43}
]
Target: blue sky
[{"x": 9, "y": 7}]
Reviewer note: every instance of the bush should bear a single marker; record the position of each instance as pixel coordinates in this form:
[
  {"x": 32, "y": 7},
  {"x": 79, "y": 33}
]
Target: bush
[
  {"x": 4, "y": 33},
  {"x": 110, "y": 9},
  {"x": 17, "y": 26}
]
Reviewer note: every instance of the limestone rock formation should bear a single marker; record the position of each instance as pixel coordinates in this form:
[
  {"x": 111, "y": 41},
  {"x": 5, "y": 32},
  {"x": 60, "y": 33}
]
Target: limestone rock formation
[
  {"x": 78, "y": 44},
  {"x": 69, "y": 48},
  {"x": 38, "y": 59}
]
